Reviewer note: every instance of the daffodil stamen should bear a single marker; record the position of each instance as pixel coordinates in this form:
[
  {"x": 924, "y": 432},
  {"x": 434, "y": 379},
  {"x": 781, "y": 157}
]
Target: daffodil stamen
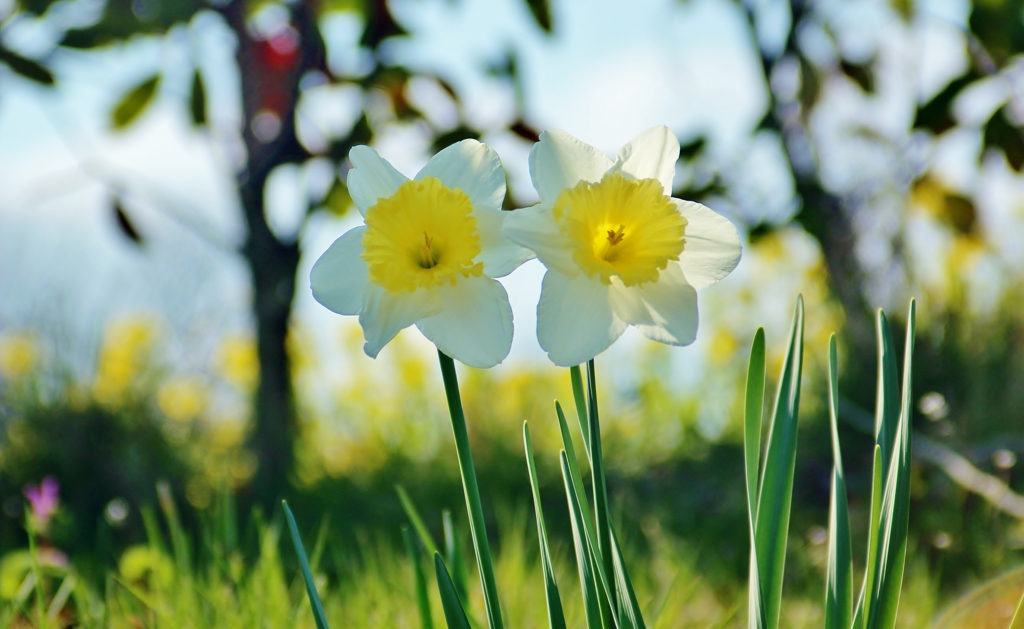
[
  {"x": 622, "y": 227},
  {"x": 423, "y": 235},
  {"x": 427, "y": 257},
  {"x": 616, "y": 236}
]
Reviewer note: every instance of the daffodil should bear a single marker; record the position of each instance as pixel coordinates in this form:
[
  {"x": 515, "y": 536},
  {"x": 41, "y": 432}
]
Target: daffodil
[
  {"x": 427, "y": 254},
  {"x": 619, "y": 250}
]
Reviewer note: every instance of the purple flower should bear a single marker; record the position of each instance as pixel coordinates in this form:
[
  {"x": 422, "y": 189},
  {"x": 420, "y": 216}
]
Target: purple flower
[{"x": 44, "y": 498}]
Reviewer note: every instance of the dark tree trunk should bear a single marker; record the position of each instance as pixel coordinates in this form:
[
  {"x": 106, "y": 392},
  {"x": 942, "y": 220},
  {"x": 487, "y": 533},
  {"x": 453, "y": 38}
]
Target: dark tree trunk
[{"x": 270, "y": 85}]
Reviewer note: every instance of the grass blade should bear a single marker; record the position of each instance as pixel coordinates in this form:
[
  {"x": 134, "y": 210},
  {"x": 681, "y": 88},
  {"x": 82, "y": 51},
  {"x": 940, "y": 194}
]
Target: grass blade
[
  {"x": 753, "y": 408},
  {"x": 1018, "y": 616},
  {"x": 422, "y": 600},
  {"x": 630, "y": 616},
  {"x": 839, "y": 588},
  {"x": 896, "y": 503},
  {"x": 556, "y": 617},
  {"x": 584, "y": 557},
  {"x": 477, "y": 528},
  {"x": 454, "y": 613},
  {"x": 307, "y": 574},
  {"x": 453, "y": 554},
  {"x": 417, "y": 521},
  {"x": 776, "y": 491}
]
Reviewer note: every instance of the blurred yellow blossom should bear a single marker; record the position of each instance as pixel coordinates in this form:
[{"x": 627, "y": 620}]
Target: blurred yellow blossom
[
  {"x": 126, "y": 350},
  {"x": 182, "y": 398},
  {"x": 18, "y": 355},
  {"x": 238, "y": 362}
]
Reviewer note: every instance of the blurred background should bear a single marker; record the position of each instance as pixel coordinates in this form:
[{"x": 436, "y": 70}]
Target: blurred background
[{"x": 169, "y": 171}]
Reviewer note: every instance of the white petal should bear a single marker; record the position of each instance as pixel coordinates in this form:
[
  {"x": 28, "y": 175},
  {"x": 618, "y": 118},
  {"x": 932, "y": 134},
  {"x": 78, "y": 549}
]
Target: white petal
[
  {"x": 560, "y": 161},
  {"x": 663, "y": 311},
  {"x": 499, "y": 254},
  {"x": 534, "y": 227},
  {"x": 651, "y": 155},
  {"x": 339, "y": 275},
  {"x": 475, "y": 325},
  {"x": 371, "y": 178},
  {"x": 471, "y": 167},
  {"x": 384, "y": 314},
  {"x": 575, "y": 321},
  {"x": 712, "y": 248}
]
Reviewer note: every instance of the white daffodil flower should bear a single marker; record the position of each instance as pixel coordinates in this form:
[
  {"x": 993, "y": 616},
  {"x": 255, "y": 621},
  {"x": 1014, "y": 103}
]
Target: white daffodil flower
[
  {"x": 426, "y": 255},
  {"x": 619, "y": 249}
]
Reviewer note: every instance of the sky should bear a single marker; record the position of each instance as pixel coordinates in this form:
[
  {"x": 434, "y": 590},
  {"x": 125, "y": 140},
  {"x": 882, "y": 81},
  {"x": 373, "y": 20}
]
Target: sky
[{"x": 612, "y": 70}]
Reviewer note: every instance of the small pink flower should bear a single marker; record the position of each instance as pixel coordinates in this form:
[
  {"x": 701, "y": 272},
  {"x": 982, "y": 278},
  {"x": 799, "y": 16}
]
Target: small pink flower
[{"x": 44, "y": 498}]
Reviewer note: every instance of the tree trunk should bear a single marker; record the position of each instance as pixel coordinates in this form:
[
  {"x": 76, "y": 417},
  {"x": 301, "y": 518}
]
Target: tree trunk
[{"x": 270, "y": 86}]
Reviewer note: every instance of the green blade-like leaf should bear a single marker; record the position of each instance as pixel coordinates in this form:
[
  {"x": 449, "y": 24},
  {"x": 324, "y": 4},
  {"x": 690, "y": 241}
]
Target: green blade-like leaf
[
  {"x": 584, "y": 559},
  {"x": 579, "y": 396},
  {"x": 134, "y": 102},
  {"x": 420, "y": 580},
  {"x": 754, "y": 403},
  {"x": 588, "y": 531},
  {"x": 454, "y": 612},
  {"x": 776, "y": 493},
  {"x": 752, "y": 420},
  {"x": 896, "y": 503},
  {"x": 417, "y": 521},
  {"x": 887, "y": 398},
  {"x": 599, "y": 485},
  {"x": 307, "y": 573},
  {"x": 556, "y": 617},
  {"x": 839, "y": 588},
  {"x": 453, "y": 554},
  {"x": 629, "y": 609},
  {"x": 574, "y": 467},
  {"x": 874, "y": 525}
]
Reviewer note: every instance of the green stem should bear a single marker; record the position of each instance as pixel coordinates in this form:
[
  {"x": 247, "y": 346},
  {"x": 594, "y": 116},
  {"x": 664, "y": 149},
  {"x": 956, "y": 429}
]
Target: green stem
[
  {"x": 469, "y": 484},
  {"x": 600, "y": 485}
]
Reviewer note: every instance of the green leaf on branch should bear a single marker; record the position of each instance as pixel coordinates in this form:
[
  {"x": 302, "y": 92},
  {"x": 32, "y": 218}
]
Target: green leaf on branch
[
  {"x": 132, "y": 104},
  {"x": 541, "y": 11},
  {"x": 1000, "y": 133},
  {"x": 27, "y": 68},
  {"x": 197, "y": 101}
]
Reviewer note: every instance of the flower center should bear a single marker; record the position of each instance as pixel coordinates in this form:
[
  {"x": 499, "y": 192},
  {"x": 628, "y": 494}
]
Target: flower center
[
  {"x": 421, "y": 236},
  {"x": 623, "y": 227}
]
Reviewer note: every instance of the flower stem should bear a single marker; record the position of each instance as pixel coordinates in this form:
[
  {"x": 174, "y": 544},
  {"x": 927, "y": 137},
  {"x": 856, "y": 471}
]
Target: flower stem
[{"x": 469, "y": 484}]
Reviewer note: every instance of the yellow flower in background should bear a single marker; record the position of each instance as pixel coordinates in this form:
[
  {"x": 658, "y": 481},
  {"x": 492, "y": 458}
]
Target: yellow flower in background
[
  {"x": 18, "y": 355},
  {"x": 619, "y": 249},
  {"x": 182, "y": 398},
  {"x": 238, "y": 362},
  {"x": 126, "y": 348},
  {"x": 427, "y": 254}
]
